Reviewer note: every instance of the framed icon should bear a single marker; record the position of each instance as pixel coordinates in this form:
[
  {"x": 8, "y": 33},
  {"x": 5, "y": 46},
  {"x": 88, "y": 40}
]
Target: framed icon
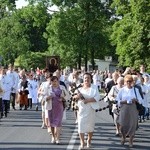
[{"x": 52, "y": 63}]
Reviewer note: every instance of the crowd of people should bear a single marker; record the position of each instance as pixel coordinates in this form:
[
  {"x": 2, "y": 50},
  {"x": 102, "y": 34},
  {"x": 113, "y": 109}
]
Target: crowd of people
[
  {"x": 17, "y": 86},
  {"x": 81, "y": 91}
]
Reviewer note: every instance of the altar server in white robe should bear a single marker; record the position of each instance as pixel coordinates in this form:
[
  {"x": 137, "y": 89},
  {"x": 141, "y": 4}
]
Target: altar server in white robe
[
  {"x": 6, "y": 81},
  {"x": 14, "y": 83},
  {"x": 33, "y": 91}
]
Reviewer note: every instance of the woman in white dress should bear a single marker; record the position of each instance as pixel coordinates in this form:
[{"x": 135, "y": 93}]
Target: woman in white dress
[{"x": 87, "y": 97}]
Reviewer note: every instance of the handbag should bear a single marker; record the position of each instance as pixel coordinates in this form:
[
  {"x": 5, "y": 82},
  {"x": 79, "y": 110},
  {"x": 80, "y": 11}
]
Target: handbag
[
  {"x": 48, "y": 104},
  {"x": 140, "y": 107}
]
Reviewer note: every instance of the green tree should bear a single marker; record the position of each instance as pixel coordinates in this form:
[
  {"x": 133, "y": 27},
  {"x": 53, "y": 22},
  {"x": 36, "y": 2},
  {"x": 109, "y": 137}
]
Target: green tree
[
  {"x": 131, "y": 33},
  {"x": 13, "y": 40},
  {"x": 78, "y": 32},
  {"x": 82, "y": 29},
  {"x": 21, "y": 32},
  {"x": 34, "y": 19},
  {"x": 6, "y": 6},
  {"x": 31, "y": 60}
]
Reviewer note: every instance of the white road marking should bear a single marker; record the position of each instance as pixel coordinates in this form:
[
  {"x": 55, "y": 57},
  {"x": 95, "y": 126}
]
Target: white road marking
[{"x": 73, "y": 138}]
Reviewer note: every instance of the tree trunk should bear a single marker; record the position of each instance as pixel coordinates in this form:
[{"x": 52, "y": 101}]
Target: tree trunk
[
  {"x": 79, "y": 61},
  {"x": 92, "y": 59},
  {"x": 86, "y": 62}
]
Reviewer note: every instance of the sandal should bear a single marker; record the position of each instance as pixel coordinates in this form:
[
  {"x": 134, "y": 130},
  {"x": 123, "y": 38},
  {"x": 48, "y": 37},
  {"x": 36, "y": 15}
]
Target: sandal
[
  {"x": 122, "y": 141},
  {"x": 130, "y": 145},
  {"x": 53, "y": 140},
  {"x": 88, "y": 144},
  {"x": 82, "y": 146}
]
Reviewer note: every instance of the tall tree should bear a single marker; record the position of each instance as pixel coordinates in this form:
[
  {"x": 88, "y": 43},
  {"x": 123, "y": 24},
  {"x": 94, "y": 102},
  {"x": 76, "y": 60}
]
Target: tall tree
[
  {"x": 81, "y": 26},
  {"x": 21, "y": 32},
  {"x": 34, "y": 19},
  {"x": 11, "y": 33},
  {"x": 13, "y": 40},
  {"x": 131, "y": 33}
]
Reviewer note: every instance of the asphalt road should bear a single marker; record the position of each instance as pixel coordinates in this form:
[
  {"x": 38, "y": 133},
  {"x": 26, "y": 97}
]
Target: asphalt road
[{"x": 21, "y": 130}]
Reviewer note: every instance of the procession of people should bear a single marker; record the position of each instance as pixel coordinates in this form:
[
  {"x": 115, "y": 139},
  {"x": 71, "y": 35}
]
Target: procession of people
[{"x": 79, "y": 91}]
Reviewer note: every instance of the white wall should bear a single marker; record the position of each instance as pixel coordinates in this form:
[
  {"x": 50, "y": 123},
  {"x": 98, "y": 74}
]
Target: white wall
[{"x": 102, "y": 65}]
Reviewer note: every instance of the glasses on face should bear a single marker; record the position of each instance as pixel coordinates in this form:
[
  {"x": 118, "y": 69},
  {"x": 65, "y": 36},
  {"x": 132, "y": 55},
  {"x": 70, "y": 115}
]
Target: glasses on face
[{"x": 129, "y": 81}]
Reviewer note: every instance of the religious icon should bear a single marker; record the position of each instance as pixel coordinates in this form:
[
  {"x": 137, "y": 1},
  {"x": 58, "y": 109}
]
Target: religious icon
[{"x": 52, "y": 63}]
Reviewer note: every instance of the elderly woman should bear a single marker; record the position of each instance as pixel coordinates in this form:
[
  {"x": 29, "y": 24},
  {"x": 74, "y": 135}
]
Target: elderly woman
[
  {"x": 128, "y": 116},
  {"x": 87, "y": 97},
  {"x": 57, "y": 93},
  {"x": 112, "y": 97}
]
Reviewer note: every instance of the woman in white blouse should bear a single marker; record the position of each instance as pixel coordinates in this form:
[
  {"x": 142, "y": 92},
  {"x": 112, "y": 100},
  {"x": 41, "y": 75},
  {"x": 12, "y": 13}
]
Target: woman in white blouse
[
  {"x": 87, "y": 97},
  {"x": 128, "y": 116}
]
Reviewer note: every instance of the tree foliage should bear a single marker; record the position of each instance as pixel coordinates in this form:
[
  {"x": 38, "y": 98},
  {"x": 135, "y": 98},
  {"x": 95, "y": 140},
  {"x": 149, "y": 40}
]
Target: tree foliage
[
  {"x": 81, "y": 28},
  {"x": 5, "y": 7},
  {"x": 131, "y": 33},
  {"x": 79, "y": 31},
  {"x": 21, "y": 32},
  {"x": 34, "y": 19},
  {"x": 31, "y": 60},
  {"x": 13, "y": 41}
]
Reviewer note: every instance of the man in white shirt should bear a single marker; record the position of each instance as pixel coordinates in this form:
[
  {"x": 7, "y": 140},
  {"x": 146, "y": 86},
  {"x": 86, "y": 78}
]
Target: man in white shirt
[
  {"x": 96, "y": 79},
  {"x": 142, "y": 70},
  {"x": 14, "y": 83},
  {"x": 6, "y": 81}
]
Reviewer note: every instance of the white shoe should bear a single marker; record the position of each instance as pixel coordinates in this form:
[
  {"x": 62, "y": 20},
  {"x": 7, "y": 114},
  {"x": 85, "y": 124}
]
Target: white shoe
[
  {"x": 50, "y": 132},
  {"x": 53, "y": 140},
  {"x": 57, "y": 142},
  {"x": 76, "y": 121},
  {"x": 43, "y": 126},
  {"x": 88, "y": 145},
  {"x": 81, "y": 147}
]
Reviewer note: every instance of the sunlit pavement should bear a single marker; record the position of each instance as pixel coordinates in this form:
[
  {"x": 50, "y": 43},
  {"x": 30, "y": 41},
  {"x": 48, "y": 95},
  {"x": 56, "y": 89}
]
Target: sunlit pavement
[{"x": 21, "y": 130}]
